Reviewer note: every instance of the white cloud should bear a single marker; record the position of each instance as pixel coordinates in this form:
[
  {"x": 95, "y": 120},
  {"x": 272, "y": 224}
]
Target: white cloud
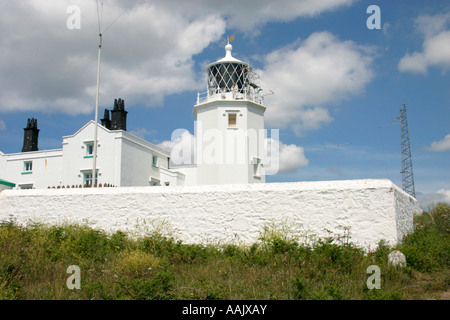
[
  {"x": 310, "y": 76},
  {"x": 249, "y": 15},
  {"x": 430, "y": 199},
  {"x": 142, "y": 132},
  {"x": 2, "y": 125},
  {"x": 414, "y": 62},
  {"x": 292, "y": 157},
  {"x": 446, "y": 194},
  {"x": 443, "y": 145},
  {"x": 282, "y": 158},
  {"x": 431, "y": 25},
  {"x": 435, "y": 48},
  {"x": 310, "y": 119},
  {"x": 147, "y": 54}
]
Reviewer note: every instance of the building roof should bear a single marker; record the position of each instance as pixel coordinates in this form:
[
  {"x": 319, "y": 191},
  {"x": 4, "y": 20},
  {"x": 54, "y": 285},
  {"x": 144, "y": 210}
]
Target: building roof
[
  {"x": 228, "y": 58},
  {"x": 7, "y": 183},
  {"x": 126, "y": 135}
]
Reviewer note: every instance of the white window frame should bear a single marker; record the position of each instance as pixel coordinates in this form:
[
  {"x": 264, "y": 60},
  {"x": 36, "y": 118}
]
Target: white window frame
[
  {"x": 155, "y": 182},
  {"x": 28, "y": 166},
  {"x": 229, "y": 115},
  {"x": 89, "y": 146},
  {"x": 89, "y": 174},
  {"x": 155, "y": 161}
]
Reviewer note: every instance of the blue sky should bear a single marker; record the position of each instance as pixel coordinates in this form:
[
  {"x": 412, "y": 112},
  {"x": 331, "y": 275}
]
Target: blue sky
[{"x": 335, "y": 81}]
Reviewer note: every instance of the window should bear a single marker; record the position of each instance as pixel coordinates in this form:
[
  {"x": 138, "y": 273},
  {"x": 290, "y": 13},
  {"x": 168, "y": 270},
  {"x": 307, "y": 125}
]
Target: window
[
  {"x": 87, "y": 178},
  {"x": 155, "y": 182},
  {"x": 232, "y": 120},
  {"x": 27, "y": 166},
  {"x": 25, "y": 186},
  {"x": 89, "y": 149},
  {"x": 155, "y": 161}
]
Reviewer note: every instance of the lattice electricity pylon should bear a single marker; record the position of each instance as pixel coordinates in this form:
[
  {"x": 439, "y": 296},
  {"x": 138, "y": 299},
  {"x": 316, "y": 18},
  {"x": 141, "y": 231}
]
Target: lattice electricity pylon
[{"x": 407, "y": 169}]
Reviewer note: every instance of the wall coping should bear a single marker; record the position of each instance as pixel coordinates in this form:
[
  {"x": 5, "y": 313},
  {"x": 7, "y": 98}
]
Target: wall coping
[{"x": 277, "y": 187}]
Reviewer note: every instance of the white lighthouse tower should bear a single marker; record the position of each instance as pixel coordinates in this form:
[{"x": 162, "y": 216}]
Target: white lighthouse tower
[{"x": 230, "y": 124}]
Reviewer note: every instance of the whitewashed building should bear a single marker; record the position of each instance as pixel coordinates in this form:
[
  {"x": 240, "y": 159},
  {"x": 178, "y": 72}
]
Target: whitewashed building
[
  {"x": 229, "y": 143},
  {"x": 227, "y": 199},
  {"x": 123, "y": 160},
  {"x": 229, "y": 126}
]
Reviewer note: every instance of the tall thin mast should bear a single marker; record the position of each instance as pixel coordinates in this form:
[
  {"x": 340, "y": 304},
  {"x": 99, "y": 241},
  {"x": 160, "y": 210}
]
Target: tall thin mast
[{"x": 94, "y": 165}]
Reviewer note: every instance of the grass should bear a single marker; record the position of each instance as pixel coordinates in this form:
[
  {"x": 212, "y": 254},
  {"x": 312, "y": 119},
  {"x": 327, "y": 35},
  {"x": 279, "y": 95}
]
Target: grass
[{"x": 34, "y": 262}]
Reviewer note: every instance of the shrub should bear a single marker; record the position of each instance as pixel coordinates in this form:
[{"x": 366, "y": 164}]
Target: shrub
[
  {"x": 278, "y": 238},
  {"x": 136, "y": 263},
  {"x": 428, "y": 247},
  {"x": 119, "y": 241},
  {"x": 301, "y": 288},
  {"x": 156, "y": 287}
]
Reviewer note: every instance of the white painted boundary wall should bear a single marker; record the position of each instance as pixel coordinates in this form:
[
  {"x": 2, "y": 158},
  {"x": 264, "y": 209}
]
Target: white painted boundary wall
[{"x": 373, "y": 209}]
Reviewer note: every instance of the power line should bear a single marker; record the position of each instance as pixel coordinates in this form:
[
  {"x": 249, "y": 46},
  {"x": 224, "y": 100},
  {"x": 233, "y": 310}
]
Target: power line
[{"x": 126, "y": 9}]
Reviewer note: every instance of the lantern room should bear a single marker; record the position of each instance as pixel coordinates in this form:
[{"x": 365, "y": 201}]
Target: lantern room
[{"x": 231, "y": 79}]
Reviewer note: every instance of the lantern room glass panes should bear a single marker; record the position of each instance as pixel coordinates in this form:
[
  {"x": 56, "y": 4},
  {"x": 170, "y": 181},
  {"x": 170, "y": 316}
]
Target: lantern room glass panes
[
  {"x": 235, "y": 78},
  {"x": 231, "y": 79},
  {"x": 227, "y": 76}
]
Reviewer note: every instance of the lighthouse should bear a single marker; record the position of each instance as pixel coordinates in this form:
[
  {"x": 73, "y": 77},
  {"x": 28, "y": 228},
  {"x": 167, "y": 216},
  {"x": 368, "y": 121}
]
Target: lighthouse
[{"x": 230, "y": 124}]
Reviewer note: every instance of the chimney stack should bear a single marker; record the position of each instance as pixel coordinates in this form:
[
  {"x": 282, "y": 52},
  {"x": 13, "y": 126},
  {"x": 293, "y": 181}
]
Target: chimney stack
[
  {"x": 31, "y": 135},
  {"x": 119, "y": 116},
  {"x": 106, "y": 122}
]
